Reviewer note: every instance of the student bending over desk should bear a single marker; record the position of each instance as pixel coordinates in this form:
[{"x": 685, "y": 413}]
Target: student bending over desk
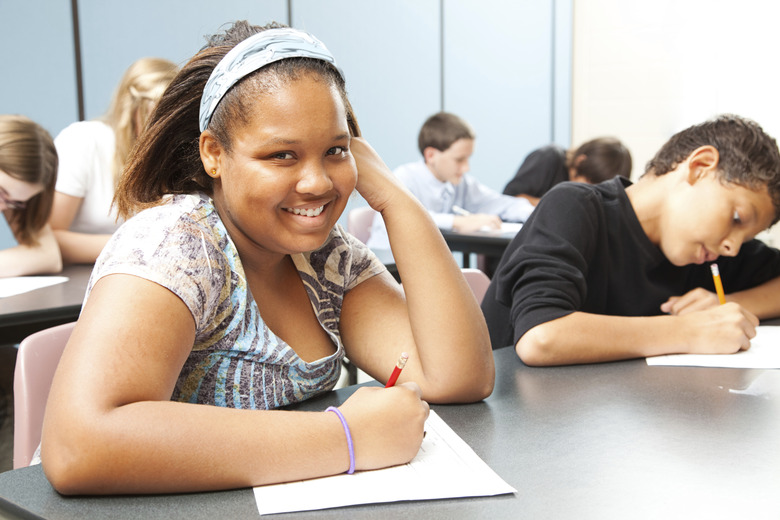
[
  {"x": 235, "y": 292},
  {"x": 594, "y": 269},
  {"x": 28, "y": 172},
  {"x": 455, "y": 200}
]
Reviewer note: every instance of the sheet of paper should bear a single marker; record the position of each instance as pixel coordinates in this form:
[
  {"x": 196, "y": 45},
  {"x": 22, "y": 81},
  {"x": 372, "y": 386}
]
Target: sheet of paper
[
  {"x": 507, "y": 228},
  {"x": 23, "y": 284},
  {"x": 764, "y": 352},
  {"x": 445, "y": 467}
]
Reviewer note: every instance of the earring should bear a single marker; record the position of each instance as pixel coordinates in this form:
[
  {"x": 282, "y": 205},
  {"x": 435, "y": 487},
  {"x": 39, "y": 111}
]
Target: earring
[{"x": 213, "y": 172}]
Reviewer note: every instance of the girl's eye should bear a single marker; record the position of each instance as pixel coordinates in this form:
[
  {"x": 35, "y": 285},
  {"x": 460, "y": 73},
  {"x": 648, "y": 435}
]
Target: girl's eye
[
  {"x": 337, "y": 150},
  {"x": 736, "y": 217},
  {"x": 282, "y": 155}
]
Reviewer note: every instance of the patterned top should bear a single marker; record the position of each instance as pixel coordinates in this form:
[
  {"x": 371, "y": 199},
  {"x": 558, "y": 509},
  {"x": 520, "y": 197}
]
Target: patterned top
[{"x": 236, "y": 360}]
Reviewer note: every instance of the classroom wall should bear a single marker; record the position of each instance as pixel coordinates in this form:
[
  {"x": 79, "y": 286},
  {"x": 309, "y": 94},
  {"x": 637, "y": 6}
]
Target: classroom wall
[
  {"x": 645, "y": 70},
  {"x": 504, "y": 65}
]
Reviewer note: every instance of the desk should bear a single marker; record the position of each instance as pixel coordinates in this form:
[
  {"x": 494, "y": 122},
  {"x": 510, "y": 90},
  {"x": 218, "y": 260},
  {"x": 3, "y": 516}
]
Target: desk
[
  {"x": 490, "y": 244},
  {"x": 605, "y": 441},
  {"x": 25, "y": 313}
]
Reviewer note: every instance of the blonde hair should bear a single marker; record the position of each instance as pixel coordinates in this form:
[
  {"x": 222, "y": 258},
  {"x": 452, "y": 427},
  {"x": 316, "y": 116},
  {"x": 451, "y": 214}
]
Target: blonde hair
[
  {"x": 27, "y": 153},
  {"x": 134, "y": 99}
]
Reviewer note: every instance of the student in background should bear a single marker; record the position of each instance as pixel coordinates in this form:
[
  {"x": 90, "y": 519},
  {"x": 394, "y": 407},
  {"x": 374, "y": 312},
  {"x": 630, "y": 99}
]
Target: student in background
[
  {"x": 455, "y": 200},
  {"x": 235, "y": 292},
  {"x": 592, "y": 162},
  {"x": 620, "y": 270},
  {"x": 92, "y": 155},
  {"x": 28, "y": 171}
]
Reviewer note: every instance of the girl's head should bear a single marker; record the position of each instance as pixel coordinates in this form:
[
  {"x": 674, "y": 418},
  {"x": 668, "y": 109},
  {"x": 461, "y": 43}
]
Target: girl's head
[
  {"x": 169, "y": 154},
  {"x": 598, "y": 160},
  {"x": 747, "y": 156},
  {"x": 134, "y": 98},
  {"x": 28, "y": 173}
]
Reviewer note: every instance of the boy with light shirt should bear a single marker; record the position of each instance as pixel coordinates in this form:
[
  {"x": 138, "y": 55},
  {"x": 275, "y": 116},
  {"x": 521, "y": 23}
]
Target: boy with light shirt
[
  {"x": 619, "y": 270},
  {"x": 456, "y": 201}
]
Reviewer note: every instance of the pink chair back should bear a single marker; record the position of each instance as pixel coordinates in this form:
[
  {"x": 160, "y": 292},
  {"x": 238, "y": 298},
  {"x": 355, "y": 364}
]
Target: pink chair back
[
  {"x": 36, "y": 362},
  {"x": 359, "y": 222},
  {"x": 478, "y": 281}
]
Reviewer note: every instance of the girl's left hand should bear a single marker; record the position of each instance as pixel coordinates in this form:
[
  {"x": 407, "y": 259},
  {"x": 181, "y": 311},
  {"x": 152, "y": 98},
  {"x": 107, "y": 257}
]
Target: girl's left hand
[
  {"x": 376, "y": 183},
  {"x": 695, "y": 300}
]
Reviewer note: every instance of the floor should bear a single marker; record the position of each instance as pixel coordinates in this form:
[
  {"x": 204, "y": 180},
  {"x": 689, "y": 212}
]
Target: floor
[{"x": 7, "y": 364}]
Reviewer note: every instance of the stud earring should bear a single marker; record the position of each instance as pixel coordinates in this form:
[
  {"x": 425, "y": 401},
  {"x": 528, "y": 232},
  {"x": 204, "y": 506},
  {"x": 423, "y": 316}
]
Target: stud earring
[{"x": 213, "y": 172}]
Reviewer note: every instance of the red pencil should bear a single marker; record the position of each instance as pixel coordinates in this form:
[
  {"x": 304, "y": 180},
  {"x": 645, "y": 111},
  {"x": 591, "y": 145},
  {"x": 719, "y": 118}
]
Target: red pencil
[{"x": 397, "y": 370}]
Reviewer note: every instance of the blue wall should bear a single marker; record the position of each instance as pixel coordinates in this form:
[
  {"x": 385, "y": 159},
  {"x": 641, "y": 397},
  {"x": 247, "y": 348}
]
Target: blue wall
[{"x": 503, "y": 65}]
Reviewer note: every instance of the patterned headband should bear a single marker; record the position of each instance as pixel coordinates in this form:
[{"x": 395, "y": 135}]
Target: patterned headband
[{"x": 253, "y": 53}]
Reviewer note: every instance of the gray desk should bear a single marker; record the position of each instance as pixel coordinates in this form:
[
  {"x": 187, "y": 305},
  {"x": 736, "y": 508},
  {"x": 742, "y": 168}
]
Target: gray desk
[
  {"x": 614, "y": 440},
  {"x": 490, "y": 244},
  {"x": 23, "y": 314}
]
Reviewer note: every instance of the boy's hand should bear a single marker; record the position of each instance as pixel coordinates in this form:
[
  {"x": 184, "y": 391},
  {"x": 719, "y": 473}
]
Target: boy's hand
[
  {"x": 475, "y": 222},
  {"x": 696, "y": 300},
  {"x": 724, "y": 329}
]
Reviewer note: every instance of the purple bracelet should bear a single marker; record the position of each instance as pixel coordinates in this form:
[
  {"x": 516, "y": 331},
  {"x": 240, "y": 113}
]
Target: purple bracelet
[{"x": 350, "y": 446}]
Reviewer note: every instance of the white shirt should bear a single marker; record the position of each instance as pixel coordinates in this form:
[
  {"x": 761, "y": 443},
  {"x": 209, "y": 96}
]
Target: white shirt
[
  {"x": 439, "y": 198},
  {"x": 86, "y": 153}
]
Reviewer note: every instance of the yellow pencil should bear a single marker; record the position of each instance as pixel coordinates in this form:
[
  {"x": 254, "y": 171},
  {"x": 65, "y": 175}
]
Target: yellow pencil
[{"x": 718, "y": 283}]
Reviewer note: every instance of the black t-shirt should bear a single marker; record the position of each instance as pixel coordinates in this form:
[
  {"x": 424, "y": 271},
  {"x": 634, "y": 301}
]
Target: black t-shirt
[
  {"x": 583, "y": 249},
  {"x": 540, "y": 171}
]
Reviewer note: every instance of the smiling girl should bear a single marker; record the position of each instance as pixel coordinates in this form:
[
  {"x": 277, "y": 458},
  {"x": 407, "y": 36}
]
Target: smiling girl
[
  {"x": 235, "y": 292},
  {"x": 28, "y": 172}
]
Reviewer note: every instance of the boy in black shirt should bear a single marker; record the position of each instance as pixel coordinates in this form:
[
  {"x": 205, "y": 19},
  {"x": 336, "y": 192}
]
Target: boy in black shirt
[{"x": 617, "y": 271}]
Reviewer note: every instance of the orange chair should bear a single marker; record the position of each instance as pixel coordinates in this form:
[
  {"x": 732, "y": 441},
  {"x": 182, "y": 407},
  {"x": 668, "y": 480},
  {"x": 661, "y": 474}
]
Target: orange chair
[
  {"x": 36, "y": 361},
  {"x": 477, "y": 280},
  {"x": 359, "y": 222}
]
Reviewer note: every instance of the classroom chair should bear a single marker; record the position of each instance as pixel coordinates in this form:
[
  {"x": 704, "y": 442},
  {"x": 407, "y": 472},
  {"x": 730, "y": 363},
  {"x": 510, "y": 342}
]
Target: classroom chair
[
  {"x": 36, "y": 361},
  {"x": 359, "y": 222},
  {"x": 477, "y": 280}
]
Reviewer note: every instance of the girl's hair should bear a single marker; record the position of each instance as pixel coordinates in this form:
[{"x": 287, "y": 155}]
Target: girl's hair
[
  {"x": 441, "y": 130},
  {"x": 748, "y": 156},
  {"x": 134, "y": 98},
  {"x": 167, "y": 157},
  {"x": 27, "y": 153},
  {"x": 604, "y": 158}
]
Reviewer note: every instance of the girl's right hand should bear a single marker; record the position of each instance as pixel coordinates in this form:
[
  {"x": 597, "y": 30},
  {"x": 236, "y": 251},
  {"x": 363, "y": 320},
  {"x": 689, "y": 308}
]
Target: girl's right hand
[{"x": 386, "y": 424}]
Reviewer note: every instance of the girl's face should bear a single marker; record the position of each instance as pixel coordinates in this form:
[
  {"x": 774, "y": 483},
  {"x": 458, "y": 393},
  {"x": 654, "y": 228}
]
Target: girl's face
[
  {"x": 708, "y": 219},
  {"x": 288, "y": 176},
  {"x": 15, "y": 193}
]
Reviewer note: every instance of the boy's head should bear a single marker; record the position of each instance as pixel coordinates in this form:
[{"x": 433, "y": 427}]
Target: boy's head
[
  {"x": 747, "y": 156},
  {"x": 599, "y": 160},
  {"x": 446, "y": 143}
]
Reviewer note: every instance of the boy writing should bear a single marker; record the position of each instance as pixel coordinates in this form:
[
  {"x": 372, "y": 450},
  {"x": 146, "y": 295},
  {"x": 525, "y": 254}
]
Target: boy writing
[
  {"x": 455, "y": 200},
  {"x": 620, "y": 270}
]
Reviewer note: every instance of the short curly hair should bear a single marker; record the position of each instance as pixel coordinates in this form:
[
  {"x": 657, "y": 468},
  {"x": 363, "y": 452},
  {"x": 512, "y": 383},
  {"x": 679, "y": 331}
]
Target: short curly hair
[{"x": 749, "y": 157}]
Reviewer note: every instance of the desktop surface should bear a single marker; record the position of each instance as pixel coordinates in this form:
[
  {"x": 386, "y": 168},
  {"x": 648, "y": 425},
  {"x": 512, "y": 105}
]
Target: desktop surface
[{"x": 602, "y": 441}]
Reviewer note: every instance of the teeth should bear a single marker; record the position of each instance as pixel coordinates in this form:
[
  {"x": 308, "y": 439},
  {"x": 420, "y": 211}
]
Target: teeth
[{"x": 311, "y": 212}]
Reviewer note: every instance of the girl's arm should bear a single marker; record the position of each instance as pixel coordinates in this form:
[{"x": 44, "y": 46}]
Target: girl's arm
[
  {"x": 592, "y": 338},
  {"x": 110, "y": 426},
  {"x": 77, "y": 248},
  {"x": 435, "y": 317},
  {"x": 42, "y": 258}
]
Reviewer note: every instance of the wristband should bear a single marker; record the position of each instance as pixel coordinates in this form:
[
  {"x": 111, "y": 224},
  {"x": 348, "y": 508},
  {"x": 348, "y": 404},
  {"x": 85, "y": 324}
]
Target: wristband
[{"x": 350, "y": 446}]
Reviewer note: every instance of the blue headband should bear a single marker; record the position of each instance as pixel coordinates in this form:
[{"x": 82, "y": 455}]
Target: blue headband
[{"x": 256, "y": 52}]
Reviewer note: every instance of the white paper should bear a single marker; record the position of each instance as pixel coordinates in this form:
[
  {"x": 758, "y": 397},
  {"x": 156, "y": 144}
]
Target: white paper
[
  {"x": 764, "y": 352},
  {"x": 22, "y": 284},
  {"x": 507, "y": 228},
  {"x": 445, "y": 467}
]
